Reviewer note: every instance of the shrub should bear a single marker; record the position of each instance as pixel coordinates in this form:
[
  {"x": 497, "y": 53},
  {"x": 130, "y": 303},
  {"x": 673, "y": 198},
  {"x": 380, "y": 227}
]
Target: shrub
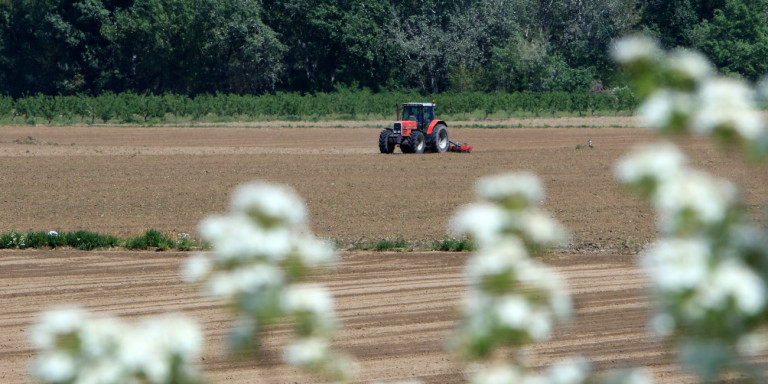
[
  {"x": 150, "y": 239},
  {"x": 454, "y": 245},
  {"x": 86, "y": 241}
]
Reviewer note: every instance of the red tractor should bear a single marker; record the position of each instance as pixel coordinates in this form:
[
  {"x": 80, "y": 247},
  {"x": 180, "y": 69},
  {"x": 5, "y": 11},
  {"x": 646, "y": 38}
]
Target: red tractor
[{"x": 417, "y": 131}]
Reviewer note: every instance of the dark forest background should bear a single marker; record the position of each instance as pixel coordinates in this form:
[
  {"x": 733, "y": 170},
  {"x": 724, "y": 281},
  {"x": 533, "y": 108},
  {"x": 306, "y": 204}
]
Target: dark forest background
[{"x": 195, "y": 47}]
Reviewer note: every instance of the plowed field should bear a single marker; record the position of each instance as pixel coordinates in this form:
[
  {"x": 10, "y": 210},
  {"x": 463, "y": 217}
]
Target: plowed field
[{"x": 398, "y": 308}]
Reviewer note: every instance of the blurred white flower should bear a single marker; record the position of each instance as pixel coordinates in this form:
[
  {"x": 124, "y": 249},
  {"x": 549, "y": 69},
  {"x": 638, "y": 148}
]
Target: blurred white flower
[
  {"x": 314, "y": 252},
  {"x": 513, "y": 311},
  {"x": 271, "y": 202},
  {"x": 727, "y": 104},
  {"x": 540, "y": 325},
  {"x": 175, "y": 335},
  {"x": 100, "y": 337},
  {"x": 55, "y": 323},
  {"x": 109, "y": 351},
  {"x": 104, "y": 371},
  {"x": 196, "y": 268},
  {"x": 753, "y": 344},
  {"x": 762, "y": 88},
  {"x": 309, "y": 298},
  {"x": 247, "y": 279},
  {"x": 709, "y": 198},
  {"x": 306, "y": 351},
  {"x": 541, "y": 228},
  {"x": 500, "y": 187},
  {"x": 677, "y": 264},
  {"x": 661, "y": 161},
  {"x": 508, "y": 254},
  {"x": 223, "y": 285},
  {"x": 635, "y": 48},
  {"x": 55, "y": 367},
  {"x": 662, "y": 107},
  {"x": 663, "y": 324},
  {"x": 733, "y": 280},
  {"x": 570, "y": 371},
  {"x": 236, "y": 238},
  {"x": 497, "y": 374},
  {"x": 482, "y": 220},
  {"x": 691, "y": 64}
]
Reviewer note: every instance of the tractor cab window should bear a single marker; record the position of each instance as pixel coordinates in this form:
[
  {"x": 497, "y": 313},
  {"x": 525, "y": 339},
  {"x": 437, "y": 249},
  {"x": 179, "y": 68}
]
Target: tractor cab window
[
  {"x": 411, "y": 113},
  {"x": 429, "y": 114}
]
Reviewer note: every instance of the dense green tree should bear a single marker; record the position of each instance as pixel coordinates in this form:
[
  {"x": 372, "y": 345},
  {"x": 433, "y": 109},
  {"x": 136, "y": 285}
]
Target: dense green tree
[
  {"x": 154, "y": 49},
  {"x": 366, "y": 52},
  {"x": 736, "y": 38},
  {"x": 237, "y": 52}
]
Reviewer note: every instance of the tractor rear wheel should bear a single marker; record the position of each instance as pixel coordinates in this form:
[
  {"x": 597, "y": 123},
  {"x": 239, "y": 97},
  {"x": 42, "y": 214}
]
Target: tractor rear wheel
[
  {"x": 384, "y": 145},
  {"x": 437, "y": 141},
  {"x": 415, "y": 143}
]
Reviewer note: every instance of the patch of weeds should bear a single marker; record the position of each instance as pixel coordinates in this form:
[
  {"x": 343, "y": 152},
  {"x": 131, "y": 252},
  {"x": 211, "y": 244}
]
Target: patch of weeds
[
  {"x": 86, "y": 240},
  {"x": 390, "y": 245},
  {"x": 13, "y": 240},
  {"x": 42, "y": 239},
  {"x": 578, "y": 146},
  {"x": 453, "y": 245},
  {"x": 184, "y": 242},
  {"x": 150, "y": 239},
  {"x": 381, "y": 245}
]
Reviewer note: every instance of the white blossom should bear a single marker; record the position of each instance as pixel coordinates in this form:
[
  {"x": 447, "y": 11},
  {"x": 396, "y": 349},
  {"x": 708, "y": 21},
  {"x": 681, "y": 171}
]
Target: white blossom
[
  {"x": 508, "y": 254},
  {"x": 663, "y": 324},
  {"x": 660, "y": 109},
  {"x": 707, "y": 197},
  {"x": 635, "y": 48},
  {"x": 677, "y": 264},
  {"x": 661, "y": 161},
  {"x": 102, "y": 371},
  {"x": 237, "y": 238},
  {"x": 541, "y": 228},
  {"x": 101, "y": 336},
  {"x": 309, "y": 298},
  {"x": 513, "y": 311},
  {"x": 55, "y": 367},
  {"x": 732, "y": 279},
  {"x": 753, "y": 344},
  {"x": 196, "y": 268},
  {"x": 57, "y": 322},
  {"x": 497, "y": 374},
  {"x": 482, "y": 220},
  {"x": 500, "y": 187},
  {"x": 306, "y": 351},
  {"x": 570, "y": 371},
  {"x": 267, "y": 201},
  {"x": 690, "y": 64},
  {"x": 314, "y": 252},
  {"x": 727, "y": 103}
]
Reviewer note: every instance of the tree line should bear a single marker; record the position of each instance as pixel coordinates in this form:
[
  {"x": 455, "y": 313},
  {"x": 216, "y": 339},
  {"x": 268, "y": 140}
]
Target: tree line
[
  {"x": 343, "y": 103},
  {"x": 194, "y": 47}
]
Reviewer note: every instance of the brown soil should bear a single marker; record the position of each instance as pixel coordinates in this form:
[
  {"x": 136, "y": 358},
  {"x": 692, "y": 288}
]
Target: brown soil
[{"x": 398, "y": 308}]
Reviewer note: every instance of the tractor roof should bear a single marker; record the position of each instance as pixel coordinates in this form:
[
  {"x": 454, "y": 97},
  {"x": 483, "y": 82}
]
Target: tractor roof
[{"x": 419, "y": 104}]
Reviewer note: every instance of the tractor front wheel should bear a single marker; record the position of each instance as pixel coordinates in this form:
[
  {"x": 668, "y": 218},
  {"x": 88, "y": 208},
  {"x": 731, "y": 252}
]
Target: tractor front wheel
[
  {"x": 437, "y": 141},
  {"x": 384, "y": 143},
  {"x": 415, "y": 143}
]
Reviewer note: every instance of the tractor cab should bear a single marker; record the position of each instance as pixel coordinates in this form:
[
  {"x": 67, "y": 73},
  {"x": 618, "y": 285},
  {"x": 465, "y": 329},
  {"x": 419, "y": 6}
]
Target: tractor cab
[{"x": 421, "y": 113}]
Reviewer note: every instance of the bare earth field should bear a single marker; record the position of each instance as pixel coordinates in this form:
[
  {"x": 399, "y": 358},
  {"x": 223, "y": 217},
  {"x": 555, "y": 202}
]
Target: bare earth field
[{"x": 398, "y": 308}]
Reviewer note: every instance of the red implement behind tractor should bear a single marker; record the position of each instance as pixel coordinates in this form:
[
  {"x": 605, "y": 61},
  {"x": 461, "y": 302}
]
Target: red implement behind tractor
[{"x": 418, "y": 131}]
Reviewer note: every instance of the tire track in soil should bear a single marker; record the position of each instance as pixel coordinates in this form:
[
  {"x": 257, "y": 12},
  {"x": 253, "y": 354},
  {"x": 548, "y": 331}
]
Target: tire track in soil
[{"x": 398, "y": 310}]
